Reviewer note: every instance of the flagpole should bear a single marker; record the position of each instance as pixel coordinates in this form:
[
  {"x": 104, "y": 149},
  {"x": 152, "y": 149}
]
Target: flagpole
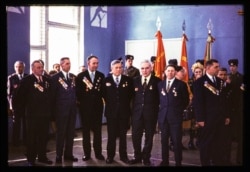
[
  {"x": 160, "y": 62},
  {"x": 184, "y": 59},
  {"x": 210, "y": 40}
]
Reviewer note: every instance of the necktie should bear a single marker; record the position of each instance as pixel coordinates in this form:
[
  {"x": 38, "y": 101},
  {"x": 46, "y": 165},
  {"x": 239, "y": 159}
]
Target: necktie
[
  {"x": 117, "y": 81},
  {"x": 92, "y": 75},
  {"x": 214, "y": 80},
  {"x": 40, "y": 79},
  {"x": 67, "y": 76},
  {"x": 20, "y": 76},
  {"x": 168, "y": 86},
  {"x": 144, "y": 83}
]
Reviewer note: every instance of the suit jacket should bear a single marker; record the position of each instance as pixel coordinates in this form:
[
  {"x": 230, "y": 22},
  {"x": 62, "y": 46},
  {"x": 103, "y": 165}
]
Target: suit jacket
[
  {"x": 208, "y": 104},
  {"x": 146, "y": 102},
  {"x": 90, "y": 98},
  {"x": 13, "y": 83},
  {"x": 117, "y": 100},
  {"x": 63, "y": 91},
  {"x": 174, "y": 102},
  {"x": 34, "y": 97}
]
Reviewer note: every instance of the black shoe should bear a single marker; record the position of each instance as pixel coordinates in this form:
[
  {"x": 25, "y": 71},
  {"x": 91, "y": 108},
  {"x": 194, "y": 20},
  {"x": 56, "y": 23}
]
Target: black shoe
[
  {"x": 146, "y": 162},
  {"x": 31, "y": 164},
  {"x": 164, "y": 164},
  {"x": 135, "y": 161},
  {"x": 75, "y": 135},
  {"x": 178, "y": 164},
  {"x": 191, "y": 146},
  {"x": 100, "y": 157},
  {"x": 109, "y": 160},
  {"x": 184, "y": 148},
  {"x": 85, "y": 158},
  {"x": 58, "y": 159},
  {"x": 45, "y": 161},
  {"x": 171, "y": 147},
  {"x": 125, "y": 160},
  {"x": 70, "y": 158},
  {"x": 197, "y": 143}
]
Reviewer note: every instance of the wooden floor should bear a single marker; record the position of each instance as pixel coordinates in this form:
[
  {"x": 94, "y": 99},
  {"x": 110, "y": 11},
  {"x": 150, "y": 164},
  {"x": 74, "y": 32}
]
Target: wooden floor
[{"x": 16, "y": 155}]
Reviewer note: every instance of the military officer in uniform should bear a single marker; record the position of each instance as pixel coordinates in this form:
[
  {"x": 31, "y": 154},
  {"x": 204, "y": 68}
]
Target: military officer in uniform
[
  {"x": 129, "y": 69},
  {"x": 237, "y": 96}
]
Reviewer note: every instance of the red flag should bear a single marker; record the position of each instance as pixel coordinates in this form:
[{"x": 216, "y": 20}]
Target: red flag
[
  {"x": 160, "y": 62},
  {"x": 208, "y": 50},
  {"x": 184, "y": 60}
]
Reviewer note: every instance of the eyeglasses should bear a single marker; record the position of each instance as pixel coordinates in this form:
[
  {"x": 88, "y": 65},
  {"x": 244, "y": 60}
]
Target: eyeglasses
[{"x": 198, "y": 72}]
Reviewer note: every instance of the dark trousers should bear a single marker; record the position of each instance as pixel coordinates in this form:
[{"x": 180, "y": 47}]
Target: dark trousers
[
  {"x": 117, "y": 128},
  {"x": 210, "y": 144},
  {"x": 19, "y": 129},
  {"x": 94, "y": 125},
  {"x": 173, "y": 130},
  {"x": 37, "y": 135},
  {"x": 138, "y": 128},
  {"x": 65, "y": 123}
]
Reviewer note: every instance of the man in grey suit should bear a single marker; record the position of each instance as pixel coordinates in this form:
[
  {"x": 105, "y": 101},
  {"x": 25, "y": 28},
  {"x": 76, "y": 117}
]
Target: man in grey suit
[
  {"x": 174, "y": 99},
  {"x": 64, "y": 108},
  {"x": 145, "y": 112},
  {"x": 118, "y": 91}
]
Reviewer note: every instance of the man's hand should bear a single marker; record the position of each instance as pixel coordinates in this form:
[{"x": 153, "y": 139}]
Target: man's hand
[{"x": 200, "y": 124}]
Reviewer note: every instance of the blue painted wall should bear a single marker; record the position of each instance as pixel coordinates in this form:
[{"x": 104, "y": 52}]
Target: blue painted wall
[
  {"x": 18, "y": 39},
  {"x": 139, "y": 22}
]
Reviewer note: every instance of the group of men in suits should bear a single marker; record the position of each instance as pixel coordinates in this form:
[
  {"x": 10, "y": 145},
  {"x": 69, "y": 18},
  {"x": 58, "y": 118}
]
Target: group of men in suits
[{"x": 144, "y": 98}]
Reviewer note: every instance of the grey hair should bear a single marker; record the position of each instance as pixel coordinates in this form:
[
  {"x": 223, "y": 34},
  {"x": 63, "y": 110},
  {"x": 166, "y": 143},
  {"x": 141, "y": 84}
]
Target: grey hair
[
  {"x": 20, "y": 62},
  {"x": 115, "y": 62},
  {"x": 146, "y": 61}
]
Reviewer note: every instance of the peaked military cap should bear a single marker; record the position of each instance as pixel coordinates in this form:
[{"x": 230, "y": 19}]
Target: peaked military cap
[
  {"x": 233, "y": 62},
  {"x": 173, "y": 62},
  {"x": 153, "y": 58},
  {"x": 131, "y": 57},
  {"x": 201, "y": 61}
]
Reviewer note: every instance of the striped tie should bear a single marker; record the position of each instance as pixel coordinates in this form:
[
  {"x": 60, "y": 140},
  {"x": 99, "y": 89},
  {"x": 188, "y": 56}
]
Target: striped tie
[
  {"x": 117, "y": 81},
  {"x": 168, "y": 86}
]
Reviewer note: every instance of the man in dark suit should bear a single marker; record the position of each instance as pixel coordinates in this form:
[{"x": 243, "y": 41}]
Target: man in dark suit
[
  {"x": 145, "y": 112},
  {"x": 174, "y": 98},
  {"x": 33, "y": 97},
  {"x": 64, "y": 108},
  {"x": 89, "y": 97},
  {"x": 19, "y": 123},
  {"x": 209, "y": 113},
  {"x": 118, "y": 91}
]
